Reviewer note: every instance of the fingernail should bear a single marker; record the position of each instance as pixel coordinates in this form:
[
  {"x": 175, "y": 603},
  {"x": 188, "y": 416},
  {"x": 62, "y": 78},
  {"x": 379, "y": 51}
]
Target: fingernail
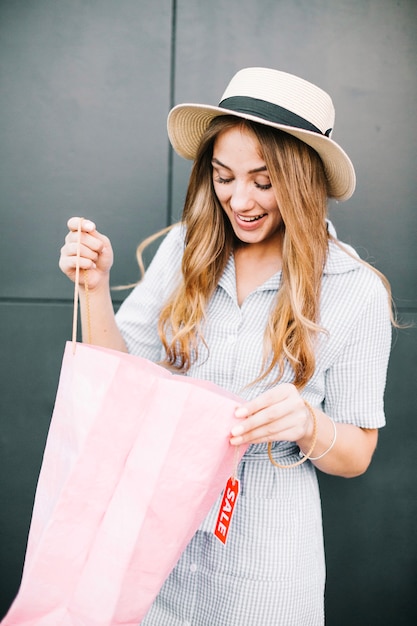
[
  {"x": 241, "y": 412},
  {"x": 237, "y": 430}
]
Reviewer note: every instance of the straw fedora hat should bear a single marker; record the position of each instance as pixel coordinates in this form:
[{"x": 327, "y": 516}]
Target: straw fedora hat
[{"x": 276, "y": 99}]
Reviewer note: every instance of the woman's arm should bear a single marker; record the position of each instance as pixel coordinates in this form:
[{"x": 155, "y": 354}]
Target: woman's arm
[
  {"x": 96, "y": 259},
  {"x": 280, "y": 414},
  {"x": 351, "y": 452},
  {"x": 354, "y": 390}
]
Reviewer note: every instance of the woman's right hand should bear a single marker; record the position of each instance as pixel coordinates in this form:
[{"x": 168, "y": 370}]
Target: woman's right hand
[{"x": 96, "y": 253}]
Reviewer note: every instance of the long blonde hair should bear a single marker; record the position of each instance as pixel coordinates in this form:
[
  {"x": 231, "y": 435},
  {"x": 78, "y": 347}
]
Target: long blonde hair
[{"x": 299, "y": 182}]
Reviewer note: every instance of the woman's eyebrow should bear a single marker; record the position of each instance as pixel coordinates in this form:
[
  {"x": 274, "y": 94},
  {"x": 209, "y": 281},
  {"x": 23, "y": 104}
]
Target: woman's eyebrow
[
  {"x": 217, "y": 162},
  {"x": 263, "y": 168}
]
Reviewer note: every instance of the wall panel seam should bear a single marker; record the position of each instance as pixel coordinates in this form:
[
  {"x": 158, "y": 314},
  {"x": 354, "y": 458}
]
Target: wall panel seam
[{"x": 171, "y": 104}]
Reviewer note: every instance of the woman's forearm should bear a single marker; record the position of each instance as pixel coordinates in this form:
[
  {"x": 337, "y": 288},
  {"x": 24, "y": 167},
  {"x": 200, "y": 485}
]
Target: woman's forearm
[
  {"x": 351, "y": 452},
  {"x": 98, "y": 323},
  {"x": 281, "y": 414}
]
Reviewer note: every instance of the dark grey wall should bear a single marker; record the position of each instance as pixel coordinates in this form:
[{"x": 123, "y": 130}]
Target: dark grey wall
[{"x": 85, "y": 89}]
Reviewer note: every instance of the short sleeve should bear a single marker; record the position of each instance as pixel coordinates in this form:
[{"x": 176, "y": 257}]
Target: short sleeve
[{"x": 355, "y": 382}]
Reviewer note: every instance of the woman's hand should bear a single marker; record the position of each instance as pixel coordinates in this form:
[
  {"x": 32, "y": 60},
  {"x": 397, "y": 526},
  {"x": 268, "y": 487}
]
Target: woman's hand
[
  {"x": 96, "y": 254},
  {"x": 279, "y": 414}
]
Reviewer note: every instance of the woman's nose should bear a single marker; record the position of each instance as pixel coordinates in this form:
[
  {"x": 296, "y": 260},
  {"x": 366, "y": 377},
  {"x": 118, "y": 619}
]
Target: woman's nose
[{"x": 240, "y": 199}]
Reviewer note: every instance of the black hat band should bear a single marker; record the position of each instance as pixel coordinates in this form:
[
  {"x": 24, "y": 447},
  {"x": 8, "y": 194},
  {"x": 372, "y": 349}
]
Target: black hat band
[{"x": 269, "y": 112}]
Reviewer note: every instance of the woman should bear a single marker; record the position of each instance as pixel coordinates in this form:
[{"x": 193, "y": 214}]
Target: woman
[{"x": 254, "y": 292}]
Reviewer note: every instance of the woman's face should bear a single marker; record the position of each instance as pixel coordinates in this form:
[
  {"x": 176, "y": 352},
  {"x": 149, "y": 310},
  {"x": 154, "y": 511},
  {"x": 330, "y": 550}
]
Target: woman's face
[{"x": 243, "y": 187}]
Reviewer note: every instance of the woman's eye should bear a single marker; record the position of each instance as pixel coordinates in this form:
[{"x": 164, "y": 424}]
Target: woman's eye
[
  {"x": 219, "y": 179},
  {"x": 266, "y": 186},
  {"x": 225, "y": 181}
]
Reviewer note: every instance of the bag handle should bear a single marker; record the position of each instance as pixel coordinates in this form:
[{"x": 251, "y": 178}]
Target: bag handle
[{"x": 77, "y": 293}]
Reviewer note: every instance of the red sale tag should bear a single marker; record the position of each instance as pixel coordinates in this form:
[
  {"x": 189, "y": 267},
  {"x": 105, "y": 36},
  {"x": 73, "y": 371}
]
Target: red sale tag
[{"x": 227, "y": 506}]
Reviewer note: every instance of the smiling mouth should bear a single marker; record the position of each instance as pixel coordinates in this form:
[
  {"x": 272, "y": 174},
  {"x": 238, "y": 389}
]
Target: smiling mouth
[{"x": 251, "y": 218}]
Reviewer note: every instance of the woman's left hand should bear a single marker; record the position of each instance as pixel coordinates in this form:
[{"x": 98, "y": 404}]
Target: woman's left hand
[{"x": 279, "y": 414}]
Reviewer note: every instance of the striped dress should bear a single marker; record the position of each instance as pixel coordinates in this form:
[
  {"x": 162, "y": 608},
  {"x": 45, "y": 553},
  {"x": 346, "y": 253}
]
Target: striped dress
[{"x": 271, "y": 572}]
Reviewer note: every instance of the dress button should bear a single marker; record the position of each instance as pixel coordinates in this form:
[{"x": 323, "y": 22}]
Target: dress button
[
  {"x": 231, "y": 339},
  {"x": 193, "y": 567}
]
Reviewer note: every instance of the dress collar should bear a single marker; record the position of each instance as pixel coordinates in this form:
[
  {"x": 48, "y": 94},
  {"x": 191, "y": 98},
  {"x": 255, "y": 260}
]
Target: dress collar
[
  {"x": 228, "y": 280},
  {"x": 340, "y": 260}
]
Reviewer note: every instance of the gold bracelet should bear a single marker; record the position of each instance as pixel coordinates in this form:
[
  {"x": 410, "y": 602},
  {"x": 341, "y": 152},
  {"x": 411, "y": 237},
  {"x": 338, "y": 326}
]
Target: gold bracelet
[{"x": 306, "y": 456}]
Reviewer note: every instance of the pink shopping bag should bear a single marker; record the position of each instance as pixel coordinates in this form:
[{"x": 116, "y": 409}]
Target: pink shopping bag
[{"x": 134, "y": 460}]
